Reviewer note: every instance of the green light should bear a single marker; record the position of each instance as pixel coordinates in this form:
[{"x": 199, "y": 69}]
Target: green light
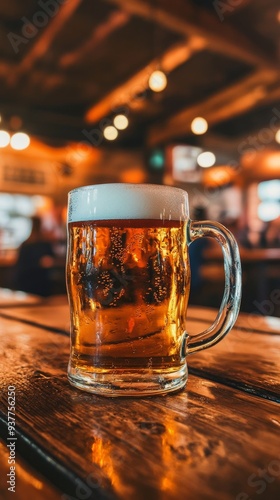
[{"x": 156, "y": 159}]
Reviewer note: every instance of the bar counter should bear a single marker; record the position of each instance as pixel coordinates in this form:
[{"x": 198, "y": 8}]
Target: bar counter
[{"x": 216, "y": 439}]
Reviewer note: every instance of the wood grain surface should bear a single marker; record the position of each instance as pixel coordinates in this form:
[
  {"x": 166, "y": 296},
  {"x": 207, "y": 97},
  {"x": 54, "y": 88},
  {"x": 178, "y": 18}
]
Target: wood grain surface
[
  {"x": 208, "y": 441},
  {"x": 244, "y": 361},
  {"x": 252, "y": 322},
  {"x": 50, "y": 317}
]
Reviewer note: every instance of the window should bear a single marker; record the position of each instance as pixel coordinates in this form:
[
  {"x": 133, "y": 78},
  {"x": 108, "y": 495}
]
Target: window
[
  {"x": 15, "y": 223},
  {"x": 269, "y": 195}
]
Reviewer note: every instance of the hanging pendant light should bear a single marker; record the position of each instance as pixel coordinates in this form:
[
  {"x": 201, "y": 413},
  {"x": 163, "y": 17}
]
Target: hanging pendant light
[{"x": 157, "y": 81}]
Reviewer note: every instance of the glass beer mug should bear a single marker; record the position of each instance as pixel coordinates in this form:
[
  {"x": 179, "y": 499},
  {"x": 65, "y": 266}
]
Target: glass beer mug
[{"x": 128, "y": 282}]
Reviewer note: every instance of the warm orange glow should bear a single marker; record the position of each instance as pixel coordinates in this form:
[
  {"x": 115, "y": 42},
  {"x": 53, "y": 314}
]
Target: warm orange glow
[
  {"x": 134, "y": 176},
  {"x": 28, "y": 478},
  {"x": 170, "y": 445},
  {"x": 81, "y": 151},
  {"x": 106, "y": 456},
  {"x": 262, "y": 165},
  {"x": 218, "y": 176},
  {"x": 72, "y": 152},
  {"x": 272, "y": 161},
  {"x": 80, "y": 158}
]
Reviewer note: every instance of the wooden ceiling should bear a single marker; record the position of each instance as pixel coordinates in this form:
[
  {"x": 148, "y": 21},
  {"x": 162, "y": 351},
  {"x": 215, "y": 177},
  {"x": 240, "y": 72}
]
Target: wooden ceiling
[{"x": 66, "y": 66}]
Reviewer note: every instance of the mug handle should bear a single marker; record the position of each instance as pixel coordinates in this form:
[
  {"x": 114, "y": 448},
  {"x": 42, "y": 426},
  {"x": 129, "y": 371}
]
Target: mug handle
[{"x": 230, "y": 305}]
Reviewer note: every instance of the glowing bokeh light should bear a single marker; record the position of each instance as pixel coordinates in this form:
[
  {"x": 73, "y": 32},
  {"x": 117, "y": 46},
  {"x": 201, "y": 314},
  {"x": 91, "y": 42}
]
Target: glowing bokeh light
[
  {"x": 4, "y": 138},
  {"x": 157, "y": 81},
  {"x": 110, "y": 133},
  {"x": 199, "y": 125},
  {"x": 20, "y": 141},
  {"x": 206, "y": 159},
  {"x": 121, "y": 122}
]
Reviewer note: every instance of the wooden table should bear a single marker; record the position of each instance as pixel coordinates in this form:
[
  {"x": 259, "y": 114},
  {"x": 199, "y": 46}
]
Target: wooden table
[
  {"x": 12, "y": 298},
  {"x": 217, "y": 439}
]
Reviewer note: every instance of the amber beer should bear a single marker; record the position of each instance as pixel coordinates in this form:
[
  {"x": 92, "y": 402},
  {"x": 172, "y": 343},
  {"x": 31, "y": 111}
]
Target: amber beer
[{"x": 129, "y": 286}]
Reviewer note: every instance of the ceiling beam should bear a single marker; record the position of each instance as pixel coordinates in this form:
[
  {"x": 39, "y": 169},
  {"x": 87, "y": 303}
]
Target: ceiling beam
[
  {"x": 172, "y": 58},
  {"x": 49, "y": 79},
  {"x": 236, "y": 99},
  {"x": 43, "y": 41},
  {"x": 188, "y": 20},
  {"x": 115, "y": 21}
]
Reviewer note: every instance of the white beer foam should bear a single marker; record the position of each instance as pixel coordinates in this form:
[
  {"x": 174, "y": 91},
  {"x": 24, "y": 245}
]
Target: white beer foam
[{"x": 127, "y": 201}]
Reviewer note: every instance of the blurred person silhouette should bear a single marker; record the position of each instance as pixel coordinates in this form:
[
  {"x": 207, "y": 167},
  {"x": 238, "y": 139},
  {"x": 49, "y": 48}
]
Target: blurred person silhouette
[
  {"x": 196, "y": 253},
  {"x": 34, "y": 262},
  {"x": 272, "y": 234}
]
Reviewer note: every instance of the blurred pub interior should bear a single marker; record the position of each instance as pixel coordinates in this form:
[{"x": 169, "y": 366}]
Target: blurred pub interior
[{"x": 184, "y": 93}]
